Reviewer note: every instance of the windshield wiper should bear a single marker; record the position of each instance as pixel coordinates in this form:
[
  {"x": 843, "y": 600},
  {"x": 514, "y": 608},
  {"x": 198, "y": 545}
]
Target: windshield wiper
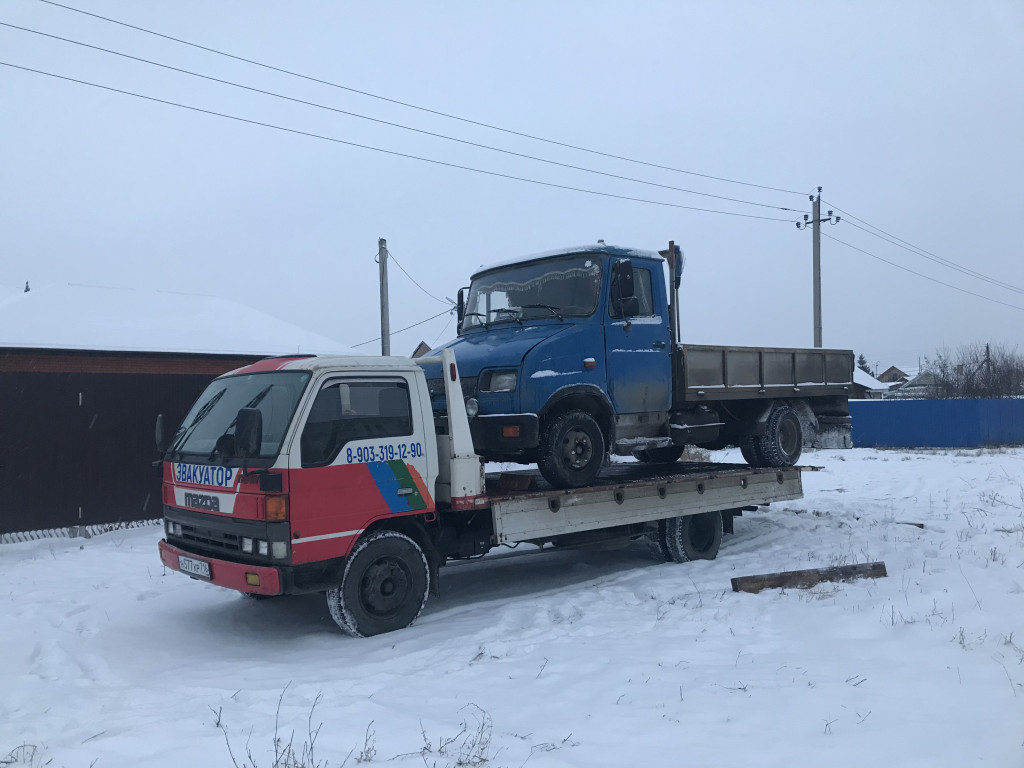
[
  {"x": 556, "y": 311},
  {"x": 477, "y": 314},
  {"x": 202, "y": 414},
  {"x": 256, "y": 399}
]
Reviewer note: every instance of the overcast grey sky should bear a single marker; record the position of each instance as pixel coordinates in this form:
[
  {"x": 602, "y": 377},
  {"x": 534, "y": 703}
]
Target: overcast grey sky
[{"x": 909, "y": 114}]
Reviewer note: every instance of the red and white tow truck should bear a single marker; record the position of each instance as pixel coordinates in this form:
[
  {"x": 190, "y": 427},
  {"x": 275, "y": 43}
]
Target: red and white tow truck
[{"x": 334, "y": 475}]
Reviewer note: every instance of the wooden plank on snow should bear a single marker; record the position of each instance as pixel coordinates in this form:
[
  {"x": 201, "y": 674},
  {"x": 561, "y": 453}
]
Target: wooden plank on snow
[{"x": 808, "y": 578}]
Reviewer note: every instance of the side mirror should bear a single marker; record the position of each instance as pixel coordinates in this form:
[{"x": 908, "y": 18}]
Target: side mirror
[
  {"x": 460, "y": 308},
  {"x": 630, "y": 307},
  {"x": 248, "y": 432},
  {"x": 678, "y": 263},
  {"x": 161, "y": 438}
]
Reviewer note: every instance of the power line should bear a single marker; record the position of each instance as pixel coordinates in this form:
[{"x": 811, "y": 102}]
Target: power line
[
  {"x": 446, "y": 327},
  {"x": 398, "y": 264},
  {"x": 379, "y": 121},
  {"x": 393, "y": 152},
  {"x": 910, "y": 247},
  {"x": 419, "y": 108},
  {"x": 919, "y": 274},
  {"x": 400, "y": 330}
]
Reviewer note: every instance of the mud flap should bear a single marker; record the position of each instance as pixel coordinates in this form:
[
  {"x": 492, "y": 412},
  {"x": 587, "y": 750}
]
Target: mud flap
[{"x": 435, "y": 577}]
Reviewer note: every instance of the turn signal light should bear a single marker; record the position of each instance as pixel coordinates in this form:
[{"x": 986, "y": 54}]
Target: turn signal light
[
  {"x": 277, "y": 508},
  {"x": 507, "y": 431}
]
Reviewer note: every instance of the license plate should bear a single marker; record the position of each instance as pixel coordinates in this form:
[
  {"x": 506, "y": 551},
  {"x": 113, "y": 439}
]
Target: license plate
[{"x": 194, "y": 567}]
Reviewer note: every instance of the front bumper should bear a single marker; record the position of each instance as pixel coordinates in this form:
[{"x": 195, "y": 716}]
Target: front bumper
[
  {"x": 225, "y": 573},
  {"x": 503, "y": 434}
]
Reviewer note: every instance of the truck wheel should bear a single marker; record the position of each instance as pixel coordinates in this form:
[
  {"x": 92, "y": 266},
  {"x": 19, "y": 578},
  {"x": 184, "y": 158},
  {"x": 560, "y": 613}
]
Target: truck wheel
[
  {"x": 384, "y": 586},
  {"x": 783, "y": 439},
  {"x": 653, "y": 539},
  {"x": 748, "y": 447},
  {"x": 693, "y": 537},
  {"x": 572, "y": 450},
  {"x": 665, "y": 455}
]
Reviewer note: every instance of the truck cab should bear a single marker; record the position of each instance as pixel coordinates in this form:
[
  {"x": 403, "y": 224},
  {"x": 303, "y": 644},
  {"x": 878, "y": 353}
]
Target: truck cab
[
  {"x": 312, "y": 425},
  {"x": 579, "y": 336}
]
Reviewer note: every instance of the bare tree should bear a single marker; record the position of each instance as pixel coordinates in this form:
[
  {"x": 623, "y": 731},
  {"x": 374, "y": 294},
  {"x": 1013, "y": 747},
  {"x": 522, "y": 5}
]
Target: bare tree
[{"x": 974, "y": 371}]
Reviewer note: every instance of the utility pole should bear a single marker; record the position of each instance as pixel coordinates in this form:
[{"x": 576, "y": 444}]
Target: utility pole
[
  {"x": 815, "y": 222},
  {"x": 385, "y": 323},
  {"x": 816, "y": 238}
]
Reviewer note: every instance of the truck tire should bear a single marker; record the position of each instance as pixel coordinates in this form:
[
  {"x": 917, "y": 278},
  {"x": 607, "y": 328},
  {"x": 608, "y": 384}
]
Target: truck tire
[
  {"x": 748, "y": 447},
  {"x": 665, "y": 455},
  {"x": 693, "y": 537},
  {"x": 384, "y": 586},
  {"x": 653, "y": 539},
  {"x": 571, "y": 451},
  {"x": 783, "y": 439}
]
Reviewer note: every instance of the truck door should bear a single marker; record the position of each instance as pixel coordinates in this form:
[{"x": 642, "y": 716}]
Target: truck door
[
  {"x": 638, "y": 349},
  {"x": 361, "y": 455}
]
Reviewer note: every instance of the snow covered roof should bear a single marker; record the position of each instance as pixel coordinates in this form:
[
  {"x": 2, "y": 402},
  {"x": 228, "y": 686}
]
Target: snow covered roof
[
  {"x": 86, "y": 317},
  {"x": 867, "y": 380}
]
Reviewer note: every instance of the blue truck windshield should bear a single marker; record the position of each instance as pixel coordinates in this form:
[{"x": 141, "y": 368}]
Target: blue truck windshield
[
  {"x": 212, "y": 418},
  {"x": 561, "y": 287}
]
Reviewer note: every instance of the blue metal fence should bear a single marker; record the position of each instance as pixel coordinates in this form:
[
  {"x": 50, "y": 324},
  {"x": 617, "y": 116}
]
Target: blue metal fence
[{"x": 937, "y": 423}]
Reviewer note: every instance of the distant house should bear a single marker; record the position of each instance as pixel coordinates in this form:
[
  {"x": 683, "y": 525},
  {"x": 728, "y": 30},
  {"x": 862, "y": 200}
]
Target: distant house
[
  {"x": 893, "y": 375},
  {"x": 84, "y": 371},
  {"x": 421, "y": 349},
  {"x": 924, "y": 385},
  {"x": 866, "y": 386}
]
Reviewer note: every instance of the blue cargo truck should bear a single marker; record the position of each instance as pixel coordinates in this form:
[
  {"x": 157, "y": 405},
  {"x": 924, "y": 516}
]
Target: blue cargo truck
[{"x": 570, "y": 355}]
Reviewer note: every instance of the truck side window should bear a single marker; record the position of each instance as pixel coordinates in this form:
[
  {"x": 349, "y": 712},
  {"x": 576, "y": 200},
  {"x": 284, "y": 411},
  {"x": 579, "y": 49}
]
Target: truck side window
[
  {"x": 344, "y": 411},
  {"x": 642, "y": 290}
]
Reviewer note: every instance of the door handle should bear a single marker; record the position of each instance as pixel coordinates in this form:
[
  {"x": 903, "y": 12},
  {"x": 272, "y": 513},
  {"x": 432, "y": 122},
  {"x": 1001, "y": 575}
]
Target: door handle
[{"x": 658, "y": 345}]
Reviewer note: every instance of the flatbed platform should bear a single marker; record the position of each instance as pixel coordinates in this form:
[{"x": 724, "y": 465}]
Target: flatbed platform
[{"x": 526, "y": 508}]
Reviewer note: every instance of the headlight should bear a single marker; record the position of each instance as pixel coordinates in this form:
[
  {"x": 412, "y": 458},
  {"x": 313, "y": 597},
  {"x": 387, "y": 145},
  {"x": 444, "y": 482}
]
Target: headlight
[
  {"x": 279, "y": 549},
  {"x": 502, "y": 381},
  {"x": 263, "y": 547},
  {"x": 169, "y": 526},
  {"x": 246, "y": 544},
  {"x": 472, "y": 407},
  {"x": 177, "y": 529}
]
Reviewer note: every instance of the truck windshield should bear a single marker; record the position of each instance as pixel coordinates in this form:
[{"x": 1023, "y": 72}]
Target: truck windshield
[
  {"x": 561, "y": 287},
  {"x": 208, "y": 430}
]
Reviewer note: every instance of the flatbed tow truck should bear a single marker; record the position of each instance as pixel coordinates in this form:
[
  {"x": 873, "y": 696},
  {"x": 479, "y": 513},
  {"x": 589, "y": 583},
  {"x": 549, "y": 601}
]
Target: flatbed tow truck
[{"x": 334, "y": 475}]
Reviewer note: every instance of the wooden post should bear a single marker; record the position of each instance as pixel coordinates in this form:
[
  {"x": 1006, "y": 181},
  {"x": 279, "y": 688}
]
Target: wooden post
[{"x": 808, "y": 578}]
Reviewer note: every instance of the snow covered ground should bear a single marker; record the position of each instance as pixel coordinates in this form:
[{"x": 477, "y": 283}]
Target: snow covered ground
[{"x": 559, "y": 658}]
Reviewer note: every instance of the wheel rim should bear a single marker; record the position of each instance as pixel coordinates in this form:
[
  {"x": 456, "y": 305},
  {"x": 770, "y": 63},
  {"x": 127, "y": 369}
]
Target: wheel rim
[
  {"x": 702, "y": 533},
  {"x": 384, "y": 587},
  {"x": 789, "y": 435},
  {"x": 577, "y": 449}
]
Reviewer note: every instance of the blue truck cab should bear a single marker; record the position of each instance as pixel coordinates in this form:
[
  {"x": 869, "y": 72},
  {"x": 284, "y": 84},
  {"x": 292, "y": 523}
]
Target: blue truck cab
[
  {"x": 569, "y": 355},
  {"x": 552, "y": 337}
]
